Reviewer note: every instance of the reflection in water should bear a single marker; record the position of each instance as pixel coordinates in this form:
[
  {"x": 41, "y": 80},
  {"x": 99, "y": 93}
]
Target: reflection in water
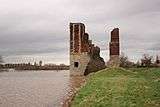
[{"x": 36, "y": 89}]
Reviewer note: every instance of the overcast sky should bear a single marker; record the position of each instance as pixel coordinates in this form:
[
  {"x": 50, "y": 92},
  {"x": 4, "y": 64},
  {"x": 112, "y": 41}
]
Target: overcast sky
[{"x": 31, "y": 29}]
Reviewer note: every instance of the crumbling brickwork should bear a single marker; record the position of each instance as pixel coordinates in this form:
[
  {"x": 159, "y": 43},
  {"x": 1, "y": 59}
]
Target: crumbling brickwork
[
  {"x": 114, "y": 48},
  {"x": 76, "y": 33},
  {"x": 114, "y": 44},
  {"x": 84, "y": 56}
]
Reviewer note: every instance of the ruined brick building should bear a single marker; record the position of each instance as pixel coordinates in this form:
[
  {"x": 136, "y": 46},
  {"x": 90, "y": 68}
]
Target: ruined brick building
[
  {"x": 114, "y": 48},
  {"x": 84, "y": 56}
]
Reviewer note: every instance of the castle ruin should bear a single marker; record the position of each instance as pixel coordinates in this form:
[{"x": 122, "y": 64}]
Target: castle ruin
[
  {"x": 114, "y": 48},
  {"x": 84, "y": 56}
]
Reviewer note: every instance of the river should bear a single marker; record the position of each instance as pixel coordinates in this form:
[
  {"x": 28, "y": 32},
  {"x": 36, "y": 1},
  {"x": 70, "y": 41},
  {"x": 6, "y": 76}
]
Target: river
[{"x": 36, "y": 88}]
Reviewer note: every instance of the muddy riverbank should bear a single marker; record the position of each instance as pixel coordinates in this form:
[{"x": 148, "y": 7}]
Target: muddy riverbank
[{"x": 76, "y": 82}]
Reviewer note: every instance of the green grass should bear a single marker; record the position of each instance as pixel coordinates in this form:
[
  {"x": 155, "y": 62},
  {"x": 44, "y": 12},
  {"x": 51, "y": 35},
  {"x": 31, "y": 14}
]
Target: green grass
[{"x": 118, "y": 87}]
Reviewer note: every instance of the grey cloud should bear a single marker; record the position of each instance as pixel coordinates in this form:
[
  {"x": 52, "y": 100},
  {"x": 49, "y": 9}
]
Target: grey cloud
[
  {"x": 39, "y": 26},
  {"x": 155, "y": 46}
]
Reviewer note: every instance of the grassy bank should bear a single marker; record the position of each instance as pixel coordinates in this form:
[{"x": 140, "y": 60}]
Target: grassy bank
[{"x": 138, "y": 87}]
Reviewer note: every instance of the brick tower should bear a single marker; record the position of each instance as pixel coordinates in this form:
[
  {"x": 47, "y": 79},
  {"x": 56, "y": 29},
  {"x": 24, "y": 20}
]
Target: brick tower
[
  {"x": 84, "y": 56},
  {"x": 114, "y": 48}
]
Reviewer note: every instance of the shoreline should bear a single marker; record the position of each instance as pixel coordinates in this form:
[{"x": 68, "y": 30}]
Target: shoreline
[{"x": 75, "y": 87}]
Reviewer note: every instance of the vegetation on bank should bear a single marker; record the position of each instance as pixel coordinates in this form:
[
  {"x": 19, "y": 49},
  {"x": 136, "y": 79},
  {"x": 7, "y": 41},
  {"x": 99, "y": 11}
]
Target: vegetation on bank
[{"x": 118, "y": 87}]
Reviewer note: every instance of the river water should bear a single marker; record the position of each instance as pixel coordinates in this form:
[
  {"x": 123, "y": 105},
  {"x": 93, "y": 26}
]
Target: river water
[{"x": 36, "y": 88}]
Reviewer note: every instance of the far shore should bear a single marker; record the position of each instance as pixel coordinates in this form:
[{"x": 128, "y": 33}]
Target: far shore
[{"x": 29, "y": 66}]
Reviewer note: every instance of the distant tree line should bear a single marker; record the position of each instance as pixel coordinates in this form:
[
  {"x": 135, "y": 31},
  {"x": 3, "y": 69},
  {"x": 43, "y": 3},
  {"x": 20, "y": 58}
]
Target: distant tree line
[
  {"x": 146, "y": 61},
  {"x": 29, "y": 66},
  {"x": 125, "y": 62}
]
